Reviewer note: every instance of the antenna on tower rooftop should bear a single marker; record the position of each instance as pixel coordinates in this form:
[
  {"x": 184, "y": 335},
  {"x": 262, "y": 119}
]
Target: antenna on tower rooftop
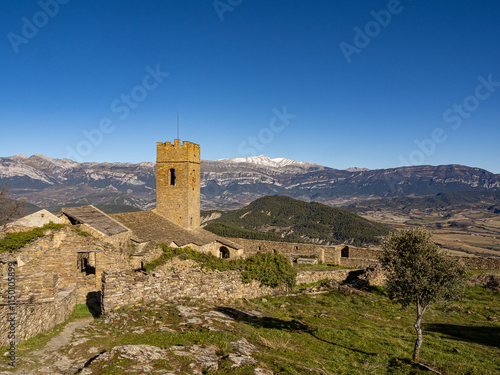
[{"x": 178, "y": 123}]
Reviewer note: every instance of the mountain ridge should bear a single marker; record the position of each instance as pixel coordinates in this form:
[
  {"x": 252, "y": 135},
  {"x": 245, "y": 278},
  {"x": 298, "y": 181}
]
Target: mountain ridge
[{"x": 226, "y": 184}]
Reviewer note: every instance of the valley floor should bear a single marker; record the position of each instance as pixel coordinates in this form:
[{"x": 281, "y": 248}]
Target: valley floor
[{"x": 466, "y": 233}]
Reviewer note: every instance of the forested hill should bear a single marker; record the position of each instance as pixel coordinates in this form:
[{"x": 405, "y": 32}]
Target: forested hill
[{"x": 284, "y": 218}]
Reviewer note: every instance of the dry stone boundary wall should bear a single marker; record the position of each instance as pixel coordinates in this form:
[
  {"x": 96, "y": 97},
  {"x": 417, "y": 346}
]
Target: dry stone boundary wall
[
  {"x": 481, "y": 263},
  {"x": 121, "y": 288},
  {"x": 34, "y": 318},
  {"x": 324, "y": 254},
  {"x": 308, "y": 277},
  {"x": 127, "y": 287},
  {"x": 344, "y": 255}
]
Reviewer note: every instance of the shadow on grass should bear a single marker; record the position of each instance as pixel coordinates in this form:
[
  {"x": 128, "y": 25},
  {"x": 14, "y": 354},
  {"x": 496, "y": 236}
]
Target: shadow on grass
[
  {"x": 274, "y": 323},
  {"x": 481, "y": 335},
  {"x": 403, "y": 366}
]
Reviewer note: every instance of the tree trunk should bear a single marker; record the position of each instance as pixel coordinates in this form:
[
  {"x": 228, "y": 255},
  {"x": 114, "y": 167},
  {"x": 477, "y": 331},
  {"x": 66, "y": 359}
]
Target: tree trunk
[{"x": 418, "y": 342}]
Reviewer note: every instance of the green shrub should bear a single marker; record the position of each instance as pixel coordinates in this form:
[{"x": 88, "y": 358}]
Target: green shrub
[
  {"x": 270, "y": 269},
  {"x": 206, "y": 260},
  {"x": 81, "y": 232},
  {"x": 15, "y": 241}
]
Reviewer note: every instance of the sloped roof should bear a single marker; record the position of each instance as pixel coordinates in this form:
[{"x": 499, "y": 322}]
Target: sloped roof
[
  {"x": 95, "y": 218},
  {"x": 36, "y": 219},
  {"x": 149, "y": 226}
]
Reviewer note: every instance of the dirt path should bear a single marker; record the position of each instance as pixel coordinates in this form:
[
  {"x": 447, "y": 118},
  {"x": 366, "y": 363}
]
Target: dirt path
[
  {"x": 48, "y": 359},
  {"x": 63, "y": 338},
  {"x": 57, "y": 363}
]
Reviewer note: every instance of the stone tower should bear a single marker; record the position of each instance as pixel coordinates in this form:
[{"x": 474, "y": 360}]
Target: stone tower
[{"x": 178, "y": 182}]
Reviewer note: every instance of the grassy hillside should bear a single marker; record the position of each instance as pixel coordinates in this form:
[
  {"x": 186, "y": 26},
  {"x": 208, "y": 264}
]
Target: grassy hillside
[
  {"x": 285, "y": 218},
  {"x": 334, "y": 333}
]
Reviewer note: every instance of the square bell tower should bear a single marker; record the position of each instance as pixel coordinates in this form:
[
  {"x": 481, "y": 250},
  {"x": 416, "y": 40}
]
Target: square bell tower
[{"x": 178, "y": 182}]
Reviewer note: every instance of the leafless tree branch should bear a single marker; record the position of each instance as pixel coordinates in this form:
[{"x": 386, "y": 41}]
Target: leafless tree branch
[{"x": 9, "y": 208}]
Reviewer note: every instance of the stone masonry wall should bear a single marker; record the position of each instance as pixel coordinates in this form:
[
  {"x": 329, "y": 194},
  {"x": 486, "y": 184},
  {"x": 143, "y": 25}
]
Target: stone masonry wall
[
  {"x": 120, "y": 240},
  {"x": 178, "y": 195},
  {"x": 344, "y": 255},
  {"x": 358, "y": 257},
  {"x": 362, "y": 258},
  {"x": 57, "y": 253},
  {"x": 48, "y": 282},
  {"x": 308, "y": 277},
  {"x": 480, "y": 263},
  {"x": 325, "y": 254},
  {"x": 34, "y": 318},
  {"x": 126, "y": 287}
]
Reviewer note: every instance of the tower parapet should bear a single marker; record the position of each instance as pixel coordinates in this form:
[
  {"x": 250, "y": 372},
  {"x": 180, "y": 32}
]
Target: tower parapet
[
  {"x": 187, "y": 151},
  {"x": 178, "y": 182}
]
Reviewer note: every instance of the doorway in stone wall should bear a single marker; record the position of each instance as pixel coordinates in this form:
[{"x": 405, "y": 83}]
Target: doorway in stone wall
[
  {"x": 224, "y": 252},
  {"x": 86, "y": 264}
]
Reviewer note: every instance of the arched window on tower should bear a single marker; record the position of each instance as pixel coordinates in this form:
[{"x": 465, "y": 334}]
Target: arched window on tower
[{"x": 172, "y": 177}]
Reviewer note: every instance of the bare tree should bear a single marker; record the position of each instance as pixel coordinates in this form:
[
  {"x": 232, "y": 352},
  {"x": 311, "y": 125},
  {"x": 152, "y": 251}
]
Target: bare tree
[
  {"x": 419, "y": 273},
  {"x": 9, "y": 208}
]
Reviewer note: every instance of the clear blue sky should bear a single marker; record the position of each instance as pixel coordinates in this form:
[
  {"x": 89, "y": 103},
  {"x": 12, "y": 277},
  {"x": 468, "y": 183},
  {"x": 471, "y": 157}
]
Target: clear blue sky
[{"x": 363, "y": 82}]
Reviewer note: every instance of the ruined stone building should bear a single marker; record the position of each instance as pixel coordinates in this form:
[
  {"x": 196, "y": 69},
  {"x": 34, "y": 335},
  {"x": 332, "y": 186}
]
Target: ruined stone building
[
  {"x": 43, "y": 281},
  {"x": 64, "y": 267}
]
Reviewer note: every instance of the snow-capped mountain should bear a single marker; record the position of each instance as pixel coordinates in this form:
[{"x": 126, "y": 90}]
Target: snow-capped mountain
[
  {"x": 268, "y": 162},
  {"x": 229, "y": 183}
]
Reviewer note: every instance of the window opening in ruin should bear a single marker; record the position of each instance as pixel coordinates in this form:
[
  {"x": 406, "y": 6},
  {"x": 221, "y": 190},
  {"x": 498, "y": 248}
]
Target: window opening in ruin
[
  {"x": 344, "y": 253},
  {"x": 83, "y": 264},
  {"x": 224, "y": 252},
  {"x": 172, "y": 177}
]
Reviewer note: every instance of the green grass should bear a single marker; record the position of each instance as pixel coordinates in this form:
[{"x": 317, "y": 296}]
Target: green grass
[
  {"x": 484, "y": 245},
  {"x": 81, "y": 232},
  {"x": 333, "y": 333},
  {"x": 361, "y": 332},
  {"x": 81, "y": 311},
  {"x": 471, "y": 273},
  {"x": 15, "y": 241}
]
